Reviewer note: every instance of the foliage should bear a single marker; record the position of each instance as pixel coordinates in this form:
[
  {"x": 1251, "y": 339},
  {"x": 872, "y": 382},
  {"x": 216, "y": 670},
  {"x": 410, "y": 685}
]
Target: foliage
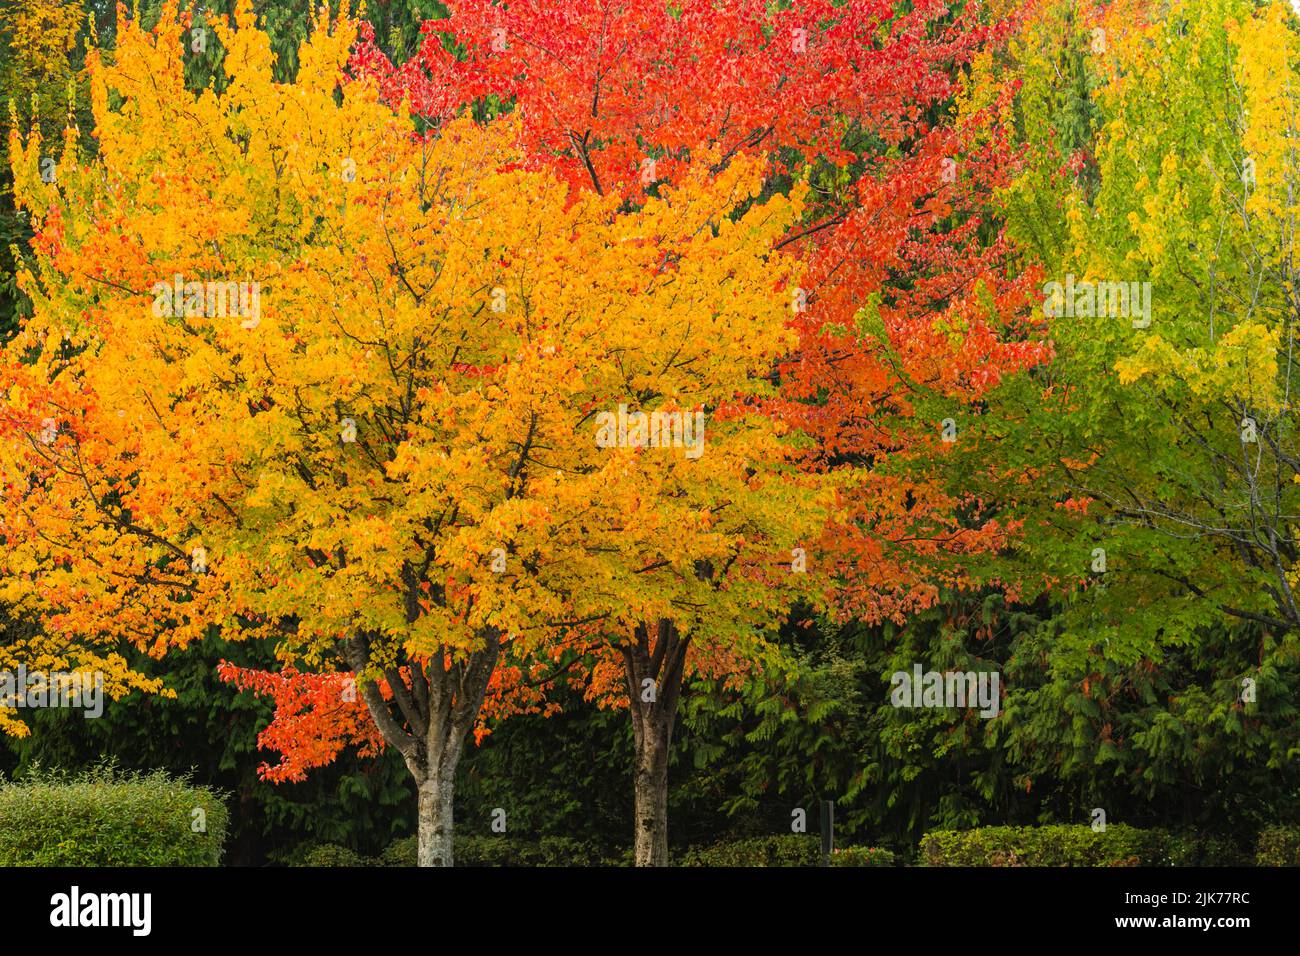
[
  {"x": 470, "y": 851},
  {"x": 786, "y": 850},
  {"x": 1153, "y": 429},
  {"x": 267, "y": 540},
  {"x": 41, "y": 84},
  {"x": 210, "y": 730},
  {"x": 330, "y": 855},
  {"x": 1278, "y": 846},
  {"x": 108, "y": 818},
  {"x": 1058, "y": 845},
  {"x": 565, "y": 851},
  {"x": 1193, "y": 848},
  {"x": 1149, "y": 462},
  {"x": 836, "y": 243},
  {"x": 862, "y": 856},
  {"x": 907, "y": 311},
  {"x": 507, "y": 851}
]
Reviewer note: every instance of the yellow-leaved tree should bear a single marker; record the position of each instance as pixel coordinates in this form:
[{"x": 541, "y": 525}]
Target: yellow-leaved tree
[{"x": 389, "y": 401}]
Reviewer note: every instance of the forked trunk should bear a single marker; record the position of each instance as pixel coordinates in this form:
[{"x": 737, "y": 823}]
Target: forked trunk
[{"x": 432, "y": 711}]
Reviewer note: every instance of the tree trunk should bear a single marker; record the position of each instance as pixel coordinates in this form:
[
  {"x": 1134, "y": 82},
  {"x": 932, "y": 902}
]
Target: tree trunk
[
  {"x": 654, "y": 683},
  {"x": 651, "y": 833},
  {"x": 432, "y": 712},
  {"x": 435, "y": 829}
]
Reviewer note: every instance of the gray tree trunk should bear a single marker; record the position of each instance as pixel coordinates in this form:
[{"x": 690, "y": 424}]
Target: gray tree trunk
[
  {"x": 650, "y": 838},
  {"x": 427, "y": 721},
  {"x": 654, "y": 683},
  {"x": 435, "y": 827}
]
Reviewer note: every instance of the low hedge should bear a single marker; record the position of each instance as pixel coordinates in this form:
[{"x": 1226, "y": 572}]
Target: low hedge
[
  {"x": 506, "y": 851},
  {"x": 785, "y": 850},
  {"x": 863, "y": 856},
  {"x": 327, "y": 854},
  {"x": 1278, "y": 846},
  {"x": 108, "y": 818},
  {"x": 788, "y": 850},
  {"x": 1059, "y": 845},
  {"x": 1055, "y": 845},
  {"x": 469, "y": 851},
  {"x": 1190, "y": 848}
]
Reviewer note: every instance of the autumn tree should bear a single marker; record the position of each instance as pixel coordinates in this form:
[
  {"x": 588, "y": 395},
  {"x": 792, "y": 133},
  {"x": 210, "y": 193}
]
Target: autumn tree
[
  {"x": 1167, "y": 292},
  {"x": 908, "y": 310},
  {"x": 1151, "y": 462},
  {"x": 39, "y": 72},
  {"x": 298, "y": 375}
]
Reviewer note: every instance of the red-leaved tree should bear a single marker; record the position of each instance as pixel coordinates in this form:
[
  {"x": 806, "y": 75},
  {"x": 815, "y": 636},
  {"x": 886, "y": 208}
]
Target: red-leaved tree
[{"x": 911, "y": 306}]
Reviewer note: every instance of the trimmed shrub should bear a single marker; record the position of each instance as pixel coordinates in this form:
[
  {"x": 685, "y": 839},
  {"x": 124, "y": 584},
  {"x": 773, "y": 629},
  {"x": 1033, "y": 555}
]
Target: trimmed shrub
[
  {"x": 789, "y": 850},
  {"x": 510, "y": 851},
  {"x": 1187, "y": 848},
  {"x": 863, "y": 856},
  {"x": 108, "y": 818},
  {"x": 1060, "y": 845},
  {"x": 403, "y": 852},
  {"x": 1278, "y": 846},
  {"x": 785, "y": 850},
  {"x": 503, "y": 851},
  {"x": 328, "y": 854}
]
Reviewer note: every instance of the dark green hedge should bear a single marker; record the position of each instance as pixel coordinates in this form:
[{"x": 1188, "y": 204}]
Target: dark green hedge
[
  {"x": 784, "y": 850},
  {"x": 1062, "y": 845},
  {"x": 105, "y": 818},
  {"x": 1185, "y": 848},
  {"x": 327, "y": 854},
  {"x": 470, "y": 851},
  {"x": 787, "y": 850},
  {"x": 1055, "y": 845},
  {"x": 1278, "y": 846},
  {"x": 508, "y": 851},
  {"x": 1071, "y": 845}
]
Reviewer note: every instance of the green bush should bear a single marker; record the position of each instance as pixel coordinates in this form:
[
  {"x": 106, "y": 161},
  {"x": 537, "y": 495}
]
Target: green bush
[
  {"x": 108, "y": 818},
  {"x": 1059, "y": 845},
  {"x": 328, "y": 854},
  {"x": 470, "y": 851},
  {"x": 1183, "y": 848},
  {"x": 862, "y": 856},
  {"x": 566, "y": 851},
  {"x": 402, "y": 852},
  {"x": 1278, "y": 846},
  {"x": 474, "y": 850},
  {"x": 785, "y": 850},
  {"x": 510, "y": 851}
]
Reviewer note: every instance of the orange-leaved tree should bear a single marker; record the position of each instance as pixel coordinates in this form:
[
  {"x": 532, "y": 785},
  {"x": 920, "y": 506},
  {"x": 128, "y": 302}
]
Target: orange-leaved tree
[
  {"x": 908, "y": 309},
  {"x": 392, "y": 402}
]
